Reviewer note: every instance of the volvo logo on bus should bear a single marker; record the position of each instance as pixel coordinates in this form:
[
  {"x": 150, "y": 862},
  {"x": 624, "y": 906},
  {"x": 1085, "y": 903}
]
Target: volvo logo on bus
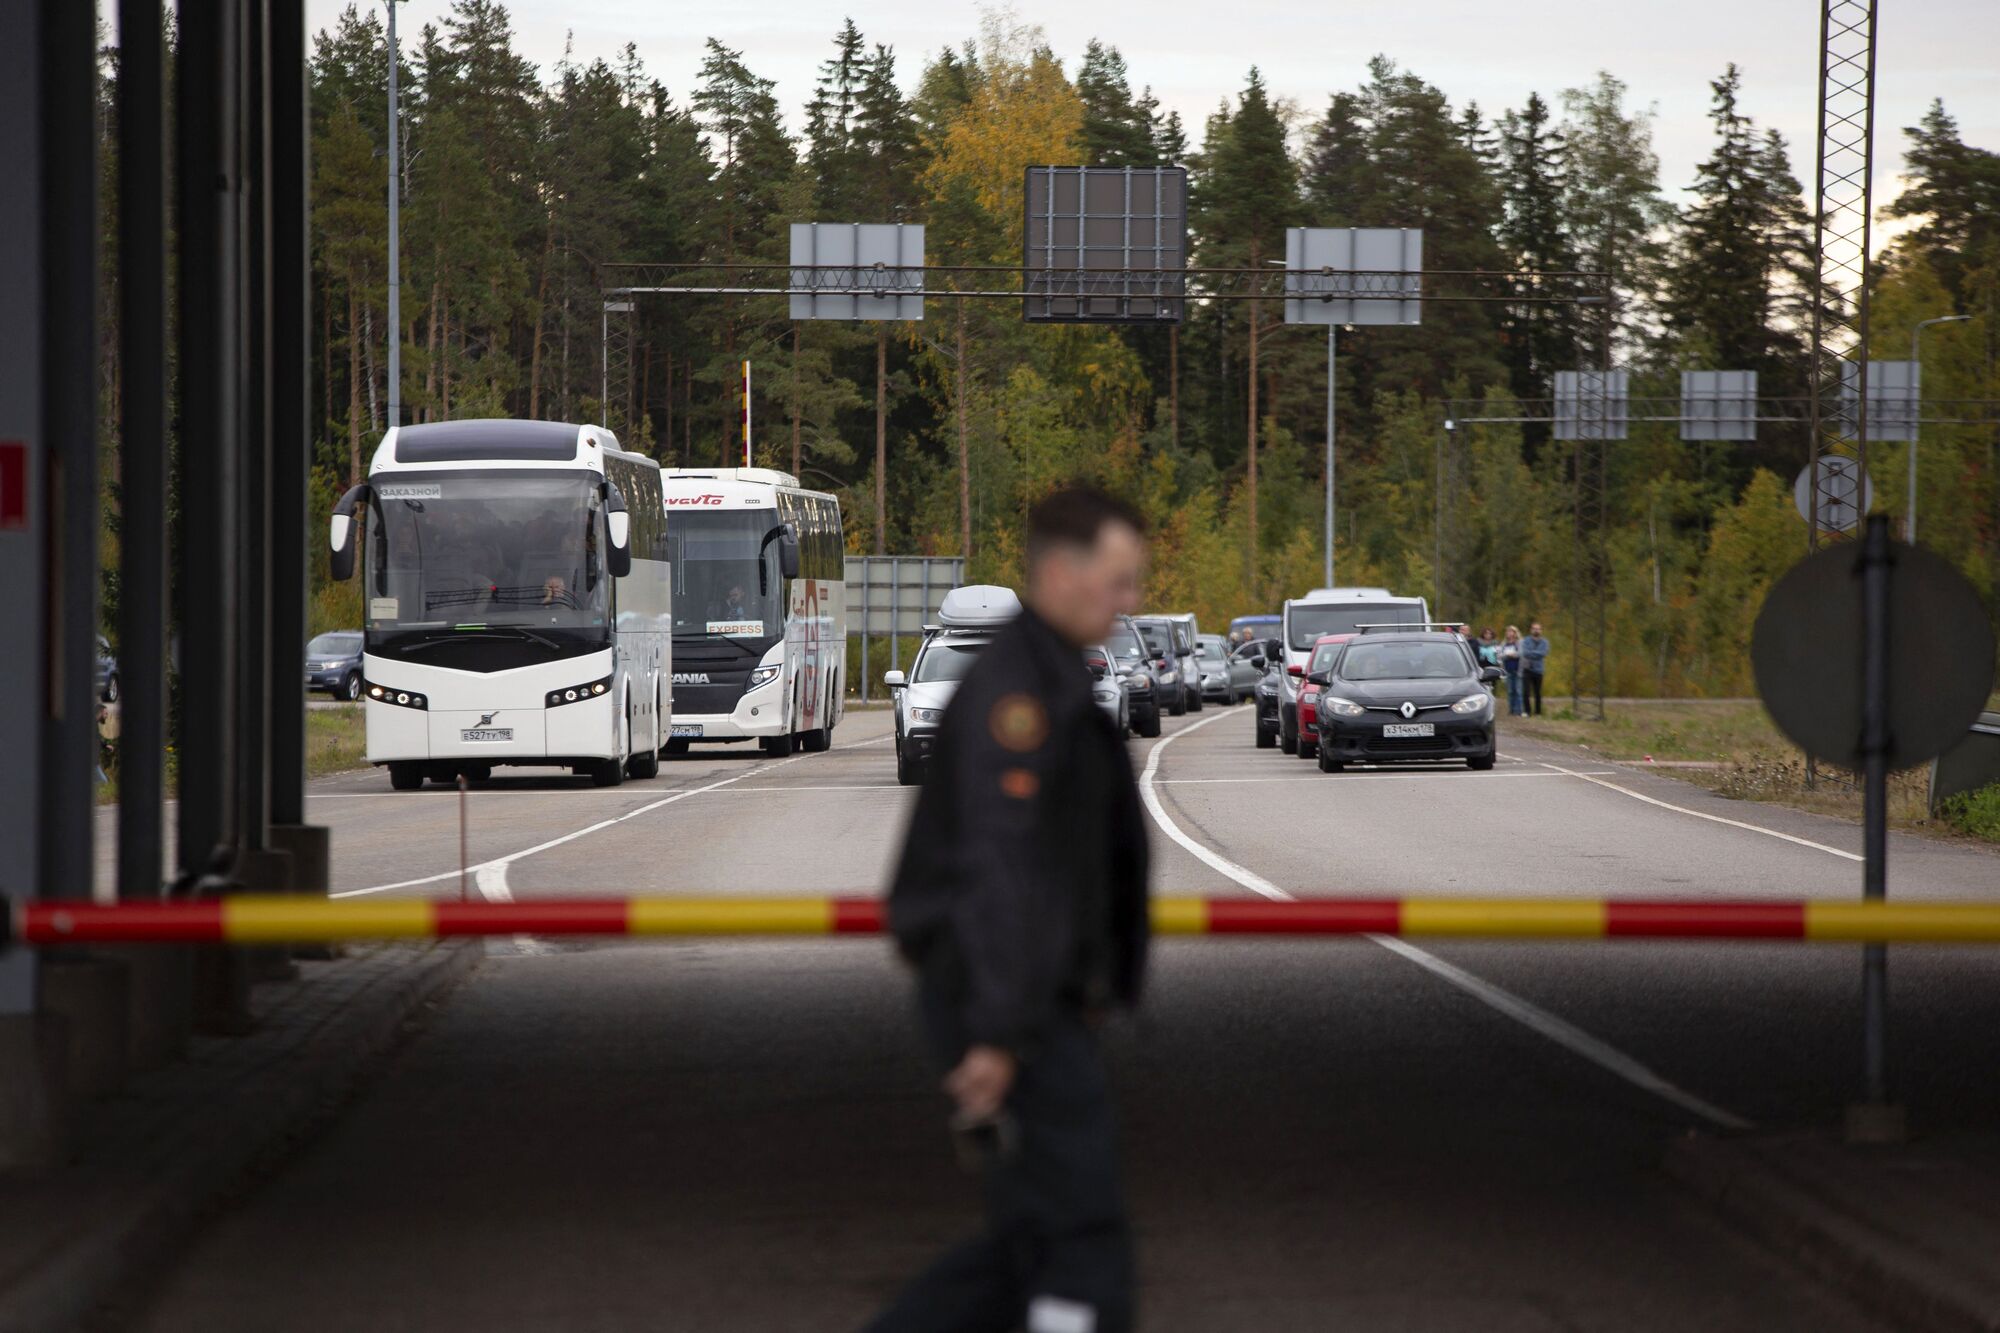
[
  {"x": 486, "y": 719},
  {"x": 690, "y": 678}
]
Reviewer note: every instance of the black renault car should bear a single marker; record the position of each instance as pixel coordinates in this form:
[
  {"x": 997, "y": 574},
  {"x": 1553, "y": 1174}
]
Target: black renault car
[{"x": 1396, "y": 696}]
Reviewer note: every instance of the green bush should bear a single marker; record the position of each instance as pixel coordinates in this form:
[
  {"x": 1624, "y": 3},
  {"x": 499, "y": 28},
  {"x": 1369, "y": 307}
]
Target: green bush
[{"x": 1974, "y": 812}]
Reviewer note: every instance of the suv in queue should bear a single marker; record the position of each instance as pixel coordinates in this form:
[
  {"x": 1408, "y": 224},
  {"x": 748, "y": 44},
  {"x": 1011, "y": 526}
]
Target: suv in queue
[
  {"x": 1392, "y": 695},
  {"x": 1330, "y": 611},
  {"x": 1134, "y": 663},
  {"x": 1170, "y": 639},
  {"x": 967, "y": 620}
]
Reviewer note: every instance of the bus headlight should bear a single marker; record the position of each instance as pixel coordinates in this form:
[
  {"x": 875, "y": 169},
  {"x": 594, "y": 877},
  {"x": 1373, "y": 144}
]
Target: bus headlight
[
  {"x": 763, "y": 675},
  {"x": 579, "y": 693},
  {"x": 384, "y": 694}
]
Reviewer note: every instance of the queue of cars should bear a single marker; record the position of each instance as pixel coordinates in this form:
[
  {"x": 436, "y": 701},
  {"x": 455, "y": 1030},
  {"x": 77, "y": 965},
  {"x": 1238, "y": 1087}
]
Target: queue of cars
[{"x": 1359, "y": 675}]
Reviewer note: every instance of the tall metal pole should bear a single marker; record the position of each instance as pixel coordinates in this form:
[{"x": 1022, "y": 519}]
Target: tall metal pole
[
  {"x": 395, "y": 234},
  {"x": 1332, "y": 346},
  {"x": 1916, "y": 413},
  {"x": 1875, "y": 686}
]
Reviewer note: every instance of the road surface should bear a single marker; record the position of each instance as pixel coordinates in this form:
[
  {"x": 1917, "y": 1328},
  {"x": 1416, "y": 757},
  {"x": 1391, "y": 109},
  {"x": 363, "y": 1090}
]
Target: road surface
[{"x": 1319, "y": 1134}]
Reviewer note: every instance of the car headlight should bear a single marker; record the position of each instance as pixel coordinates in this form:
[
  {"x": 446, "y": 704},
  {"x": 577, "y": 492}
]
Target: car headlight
[
  {"x": 1472, "y": 703},
  {"x": 763, "y": 675},
  {"x": 579, "y": 693},
  {"x": 930, "y": 715},
  {"x": 1169, "y": 677},
  {"x": 1338, "y": 706},
  {"x": 384, "y": 694},
  {"x": 1141, "y": 678}
]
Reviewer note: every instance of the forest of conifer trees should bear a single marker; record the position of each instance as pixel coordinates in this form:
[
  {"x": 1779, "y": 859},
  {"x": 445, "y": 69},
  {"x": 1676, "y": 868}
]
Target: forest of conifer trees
[{"x": 519, "y": 182}]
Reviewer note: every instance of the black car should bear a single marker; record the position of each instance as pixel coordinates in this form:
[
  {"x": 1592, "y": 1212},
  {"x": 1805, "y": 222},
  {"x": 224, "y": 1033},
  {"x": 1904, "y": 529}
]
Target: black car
[
  {"x": 1176, "y": 669},
  {"x": 333, "y": 664},
  {"x": 1395, "y": 696},
  {"x": 1268, "y": 656},
  {"x": 1135, "y": 667}
]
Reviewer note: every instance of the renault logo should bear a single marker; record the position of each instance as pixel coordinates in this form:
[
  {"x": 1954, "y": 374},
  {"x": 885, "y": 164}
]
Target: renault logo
[{"x": 1408, "y": 709}]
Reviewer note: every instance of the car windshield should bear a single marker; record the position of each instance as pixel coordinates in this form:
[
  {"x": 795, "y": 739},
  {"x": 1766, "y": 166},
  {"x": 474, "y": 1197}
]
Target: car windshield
[
  {"x": 1128, "y": 647},
  {"x": 1309, "y": 622},
  {"x": 1210, "y": 648},
  {"x": 1323, "y": 656},
  {"x": 946, "y": 660},
  {"x": 334, "y": 645},
  {"x": 1404, "y": 661},
  {"x": 482, "y": 549},
  {"x": 1158, "y": 642}
]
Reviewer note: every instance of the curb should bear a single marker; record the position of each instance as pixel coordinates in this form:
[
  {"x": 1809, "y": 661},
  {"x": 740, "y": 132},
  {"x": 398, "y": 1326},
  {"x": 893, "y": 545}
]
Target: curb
[
  {"x": 285, "y": 1100},
  {"x": 1826, "y": 1234}
]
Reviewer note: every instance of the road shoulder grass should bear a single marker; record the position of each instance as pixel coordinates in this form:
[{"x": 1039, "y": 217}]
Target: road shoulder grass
[{"x": 1732, "y": 748}]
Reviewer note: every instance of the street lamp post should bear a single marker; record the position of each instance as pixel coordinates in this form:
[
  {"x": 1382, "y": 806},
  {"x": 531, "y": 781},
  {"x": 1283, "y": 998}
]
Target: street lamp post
[
  {"x": 395, "y": 238},
  {"x": 1916, "y": 413}
]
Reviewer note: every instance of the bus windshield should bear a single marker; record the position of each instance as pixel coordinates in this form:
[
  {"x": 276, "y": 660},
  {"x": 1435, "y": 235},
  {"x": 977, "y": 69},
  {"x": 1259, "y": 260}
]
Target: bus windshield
[
  {"x": 484, "y": 550},
  {"x": 1308, "y": 622},
  {"x": 715, "y": 558}
]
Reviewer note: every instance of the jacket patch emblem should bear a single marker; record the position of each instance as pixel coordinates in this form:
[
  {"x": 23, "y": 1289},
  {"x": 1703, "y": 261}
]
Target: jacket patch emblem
[
  {"x": 1019, "y": 723},
  {"x": 1020, "y": 784}
]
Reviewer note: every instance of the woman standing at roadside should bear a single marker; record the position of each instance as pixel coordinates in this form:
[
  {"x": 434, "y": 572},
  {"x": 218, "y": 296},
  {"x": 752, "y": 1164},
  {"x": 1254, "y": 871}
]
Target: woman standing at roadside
[{"x": 1510, "y": 662}]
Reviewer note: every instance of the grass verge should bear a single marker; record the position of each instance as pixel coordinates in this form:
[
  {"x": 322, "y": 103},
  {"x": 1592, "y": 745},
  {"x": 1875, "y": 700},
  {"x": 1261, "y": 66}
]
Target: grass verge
[
  {"x": 1735, "y": 750},
  {"x": 336, "y": 740}
]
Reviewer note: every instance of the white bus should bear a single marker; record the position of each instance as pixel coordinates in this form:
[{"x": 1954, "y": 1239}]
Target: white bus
[
  {"x": 760, "y": 621},
  {"x": 516, "y": 599}
]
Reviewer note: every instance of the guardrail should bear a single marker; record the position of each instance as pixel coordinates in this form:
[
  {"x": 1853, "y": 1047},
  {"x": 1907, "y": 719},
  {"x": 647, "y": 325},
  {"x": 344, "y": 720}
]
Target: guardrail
[{"x": 264, "y": 920}]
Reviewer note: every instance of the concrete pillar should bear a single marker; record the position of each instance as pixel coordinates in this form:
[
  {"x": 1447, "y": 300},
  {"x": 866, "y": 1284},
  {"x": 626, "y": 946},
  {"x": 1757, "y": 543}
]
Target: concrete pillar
[
  {"x": 33, "y": 1133},
  {"x": 93, "y": 998},
  {"x": 161, "y": 1014}
]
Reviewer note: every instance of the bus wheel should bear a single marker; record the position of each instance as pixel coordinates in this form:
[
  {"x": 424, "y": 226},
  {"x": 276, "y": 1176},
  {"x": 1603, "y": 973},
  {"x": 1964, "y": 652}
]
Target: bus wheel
[
  {"x": 643, "y": 765},
  {"x": 478, "y": 772},
  {"x": 779, "y": 746},
  {"x": 405, "y": 776},
  {"x": 816, "y": 740},
  {"x": 607, "y": 772}
]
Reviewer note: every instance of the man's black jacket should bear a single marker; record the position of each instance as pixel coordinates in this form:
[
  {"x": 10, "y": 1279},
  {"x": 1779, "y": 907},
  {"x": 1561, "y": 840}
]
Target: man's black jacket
[{"x": 1022, "y": 886}]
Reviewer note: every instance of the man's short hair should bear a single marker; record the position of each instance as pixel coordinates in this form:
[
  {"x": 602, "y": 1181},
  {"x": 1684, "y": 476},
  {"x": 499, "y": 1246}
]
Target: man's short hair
[{"x": 1074, "y": 517}]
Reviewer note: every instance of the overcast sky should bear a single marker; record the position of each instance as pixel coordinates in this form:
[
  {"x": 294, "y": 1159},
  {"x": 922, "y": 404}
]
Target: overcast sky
[{"x": 1195, "y": 52}]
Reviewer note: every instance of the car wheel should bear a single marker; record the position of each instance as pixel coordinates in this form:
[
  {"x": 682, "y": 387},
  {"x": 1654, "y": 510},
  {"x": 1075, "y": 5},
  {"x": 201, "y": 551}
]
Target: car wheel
[
  {"x": 1265, "y": 739},
  {"x": 111, "y": 688},
  {"x": 406, "y": 776},
  {"x": 1149, "y": 726},
  {"x": 1327, "y": 764},
  {"x": 1481, "y": 763},
  {"x": 906, "y": 772},
  {"x": 350, "y": 689},
  {"x": 1288, "y": 739},
  {"x": 1308, "y": 746},
  {"x": 1195, "y": 701}
]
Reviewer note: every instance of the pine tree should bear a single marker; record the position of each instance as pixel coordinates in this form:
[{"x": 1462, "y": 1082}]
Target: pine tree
[
  {"x": 891, "y": 156},
  {"x": 1611, "y": 194},
  {"x": 830, "y": 131},
  {"x": 1955, "y": 191},
  {"x": 1541, "y": 336},
  {"x": 1117, "y": 132}
]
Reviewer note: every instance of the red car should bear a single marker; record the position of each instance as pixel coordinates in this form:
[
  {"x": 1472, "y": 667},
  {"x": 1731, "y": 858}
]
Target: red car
[{"x": 1324, "y": 648}]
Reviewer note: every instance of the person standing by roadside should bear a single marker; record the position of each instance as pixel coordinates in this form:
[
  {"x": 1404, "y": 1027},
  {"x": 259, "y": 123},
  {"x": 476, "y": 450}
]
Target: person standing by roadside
[
  {"x": 1510, "y": 662},
  {"x": 1487, "y": 649},
  {"x": 1021, "y": 902},
  {"x": 1534, "y": 664}
]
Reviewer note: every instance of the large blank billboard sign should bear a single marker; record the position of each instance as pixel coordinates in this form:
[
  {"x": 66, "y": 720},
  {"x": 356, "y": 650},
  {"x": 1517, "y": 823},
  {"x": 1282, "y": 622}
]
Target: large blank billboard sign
[
  {"x": 857, "y": 270},
  {"x": 1718, "y": 404},
  {"x": 1592, "y": 404},
  {"x": 1354, "y": 275},
  {"x": 1105, "y": 245}
]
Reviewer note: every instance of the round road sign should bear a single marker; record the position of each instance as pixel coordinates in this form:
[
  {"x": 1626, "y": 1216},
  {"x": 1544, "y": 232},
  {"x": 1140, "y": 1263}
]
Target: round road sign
[
  {"x": 1806, "y": 651},
  {"x": 1840, "y": 479}
]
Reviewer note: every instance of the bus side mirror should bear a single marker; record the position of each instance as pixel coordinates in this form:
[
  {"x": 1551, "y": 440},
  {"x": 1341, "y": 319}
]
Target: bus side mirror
[
  {"x": 788, "y": 554},
  {"x": 618, "y": 527},
  {"x": 340, "y": 533}
]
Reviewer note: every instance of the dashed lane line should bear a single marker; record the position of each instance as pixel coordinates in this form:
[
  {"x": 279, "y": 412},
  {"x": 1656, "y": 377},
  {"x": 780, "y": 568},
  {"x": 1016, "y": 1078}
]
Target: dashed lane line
[{"x": 1536, "y": 1019}]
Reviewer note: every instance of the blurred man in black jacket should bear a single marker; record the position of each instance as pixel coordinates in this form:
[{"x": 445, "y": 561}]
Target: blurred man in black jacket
[{"x": 1021, "y": 901}]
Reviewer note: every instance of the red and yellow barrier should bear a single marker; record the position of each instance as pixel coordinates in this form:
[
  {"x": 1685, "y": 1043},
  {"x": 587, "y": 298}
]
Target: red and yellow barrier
[{"x": 260, "y": 919}]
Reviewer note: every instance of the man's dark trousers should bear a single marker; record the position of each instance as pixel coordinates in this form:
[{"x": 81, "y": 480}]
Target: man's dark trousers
[
  {"x": 1055, "y": 1216},
  {"x": 1531, "y": 691}
]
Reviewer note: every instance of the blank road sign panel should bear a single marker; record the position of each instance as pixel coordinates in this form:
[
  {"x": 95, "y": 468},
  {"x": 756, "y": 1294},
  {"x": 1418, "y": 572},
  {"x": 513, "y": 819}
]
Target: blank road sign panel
[
  {"x": 1354, "y": 275},
  {"x": 1104, "y": 245},
  {"x": 1591, "y": 404},
  {"x": 1718, "y": 404},
  {"x": 1894, "y": 395},
  {"x": 857, "y": 270}
]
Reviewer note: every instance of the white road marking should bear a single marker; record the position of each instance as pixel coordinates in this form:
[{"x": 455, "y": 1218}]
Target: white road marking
[
  {"x": 1698, "y": 814},
  {"x": 499, "y": 864},
  {"x": 1364, "y": 775},
  {"x": 1537, "y": 1020}
]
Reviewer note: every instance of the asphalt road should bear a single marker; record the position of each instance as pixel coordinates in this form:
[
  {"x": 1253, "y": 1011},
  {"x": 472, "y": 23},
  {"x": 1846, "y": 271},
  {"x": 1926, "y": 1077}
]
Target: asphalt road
[{"x": 1319, "y": 1134}]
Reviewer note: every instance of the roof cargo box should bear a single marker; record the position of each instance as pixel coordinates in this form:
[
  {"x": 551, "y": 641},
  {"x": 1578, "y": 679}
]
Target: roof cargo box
[{"x": 978, "y": 605}]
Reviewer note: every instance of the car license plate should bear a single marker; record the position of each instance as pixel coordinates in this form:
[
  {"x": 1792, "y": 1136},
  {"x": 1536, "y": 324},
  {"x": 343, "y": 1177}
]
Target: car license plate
[
  {"x": 682, "y": 732},
  {"x": 1409, "y": 729},
  {"x": 487, "y": 734}
]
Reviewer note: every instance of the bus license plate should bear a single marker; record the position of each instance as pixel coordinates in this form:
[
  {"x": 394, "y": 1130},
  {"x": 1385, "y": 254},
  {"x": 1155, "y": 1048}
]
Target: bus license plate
[
  {"x": 487, "y": 734},
  {"x": 686, "y": 732},
  {"x": 1409, "y": 729}
]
